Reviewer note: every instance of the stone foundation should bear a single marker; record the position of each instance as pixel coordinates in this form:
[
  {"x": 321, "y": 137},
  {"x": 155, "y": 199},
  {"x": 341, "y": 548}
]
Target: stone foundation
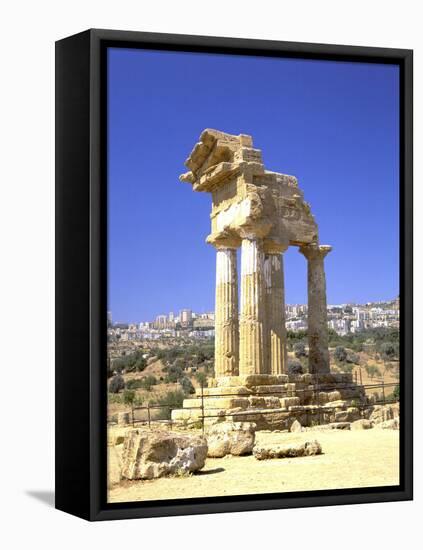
[{"x": 275, "y": 401}]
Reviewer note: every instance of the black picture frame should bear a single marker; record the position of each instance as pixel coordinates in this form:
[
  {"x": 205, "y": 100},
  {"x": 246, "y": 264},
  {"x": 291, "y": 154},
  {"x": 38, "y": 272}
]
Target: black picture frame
[{"x": 81, "y": 273}]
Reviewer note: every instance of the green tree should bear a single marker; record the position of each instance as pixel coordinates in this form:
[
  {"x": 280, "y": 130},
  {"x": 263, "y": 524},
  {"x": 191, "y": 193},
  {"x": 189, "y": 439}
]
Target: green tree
[
  {"x": 117, "y": 384},
  {"x": 372, "y": 371},
  {"x": 340, "y": 354}
]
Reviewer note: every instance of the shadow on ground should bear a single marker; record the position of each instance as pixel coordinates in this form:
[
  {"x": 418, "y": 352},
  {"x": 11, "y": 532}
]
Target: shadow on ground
[
  {"x": 211, "y": 471},
  {"x": 46, "y": 497}
]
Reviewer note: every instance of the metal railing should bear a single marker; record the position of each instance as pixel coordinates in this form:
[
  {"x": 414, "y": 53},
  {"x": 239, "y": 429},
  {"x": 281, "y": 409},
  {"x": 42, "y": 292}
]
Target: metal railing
[{"x": 312, "y": 409}]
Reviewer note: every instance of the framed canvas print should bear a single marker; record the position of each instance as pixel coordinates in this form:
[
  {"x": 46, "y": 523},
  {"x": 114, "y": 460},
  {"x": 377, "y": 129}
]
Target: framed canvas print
[{"x": 233, "y": 274}]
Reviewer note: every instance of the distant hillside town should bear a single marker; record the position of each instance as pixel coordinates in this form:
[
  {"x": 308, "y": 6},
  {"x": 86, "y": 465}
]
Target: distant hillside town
[{"x": 342, "y": 318}]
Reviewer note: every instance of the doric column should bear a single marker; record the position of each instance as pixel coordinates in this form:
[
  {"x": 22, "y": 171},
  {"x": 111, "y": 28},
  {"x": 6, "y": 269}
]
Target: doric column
[
  {"x": 226, "y": 313},
  {"x": 275, "y": 312},
  {"x": 252, "y": 351},
  {"x": 317, "y": 308}
]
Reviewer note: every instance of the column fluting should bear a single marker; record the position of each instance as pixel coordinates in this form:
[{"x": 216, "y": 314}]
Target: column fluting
[
  {"x": 317, "y": 308},
  {"x": 226, "y": 313},
  {"x": 253, "y": 308},
  {"x": 275, "y": 314}
]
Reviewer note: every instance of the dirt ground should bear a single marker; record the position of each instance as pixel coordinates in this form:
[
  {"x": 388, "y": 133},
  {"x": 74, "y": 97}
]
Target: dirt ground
[{"x": 362, "y": 458}]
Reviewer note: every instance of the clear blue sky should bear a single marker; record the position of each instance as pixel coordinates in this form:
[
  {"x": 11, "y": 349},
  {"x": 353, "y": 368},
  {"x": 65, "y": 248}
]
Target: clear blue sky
[{"x": 333, "y": 125}]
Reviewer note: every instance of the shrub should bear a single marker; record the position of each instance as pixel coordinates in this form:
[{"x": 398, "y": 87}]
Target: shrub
[
  {"x": 353, "y": 358},
  {"x": 114, "y": 398},
  {"x": 396, "y": 393},
  {"x": 295, "y": 367},
  {"x": 172, "y": 400},
  {"x": 372, "y": 371},
  {"x": 348, "y": 367},
  {"x": 299, "y": 350},
  {"x": 201, "y": 378},
  {"x": 340, "y": 354},
  {"x": 389, "y": 351},
  {"x": 144, "y": 383},
  {"x": 128, "y": 397},
  {"x": 117, "y": 383},
  {"x": 174, "y": 374},
  {"x": 186, "y": 385}
]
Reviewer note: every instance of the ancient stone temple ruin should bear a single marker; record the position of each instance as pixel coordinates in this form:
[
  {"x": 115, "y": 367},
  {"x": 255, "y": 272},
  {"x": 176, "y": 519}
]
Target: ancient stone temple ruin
[{"x": 261, "y": 213}]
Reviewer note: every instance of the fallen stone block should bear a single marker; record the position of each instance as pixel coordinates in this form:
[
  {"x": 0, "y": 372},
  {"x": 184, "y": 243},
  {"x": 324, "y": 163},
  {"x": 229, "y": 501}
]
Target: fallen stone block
[
  {"x": 113, "y": 466},
  {"x": 296, "y": 427},
  {"x": 332, "y": 426},
  {"x": 362, "y": 424},
  {"x": 265, "y": 452},
  {"x": 235, "y": 438},
  {"x": 123, "y": 418},
  {"x": 149, "y": 455}
]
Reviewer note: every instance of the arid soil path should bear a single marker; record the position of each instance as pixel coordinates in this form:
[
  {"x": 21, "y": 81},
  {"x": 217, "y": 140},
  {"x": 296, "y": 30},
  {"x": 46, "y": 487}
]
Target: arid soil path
[{"x": 364, "y": 458}]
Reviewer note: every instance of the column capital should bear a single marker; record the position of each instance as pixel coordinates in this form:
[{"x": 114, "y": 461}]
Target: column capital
[
  {"x": 272, "y": 247},
  {"x": 224, "y": 242},
  {"x": 314, "y": 251}
]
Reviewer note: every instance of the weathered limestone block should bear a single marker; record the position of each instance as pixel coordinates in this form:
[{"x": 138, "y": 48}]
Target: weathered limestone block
[
  {"x": 381, "y": 413},
  {"x": 323, "y": 397},
  {"x": 341, "y": 404},
  {"x": 226, "y": 313},
  {"x": 392, "y": 424},
  {"x": 116, "y": 435},
  {"x": 123, "y": 418},
  {"x": 296, "y": 427},
  {"x": 181, "y": 415},
  {"x": 362, "y": 424},
  {"x": 350, "y": 415},
  {"x": 114, "y": 465},
  {"x": 309, "y": 448},
  {"x": 334, "y": 396},
  {"x": 148, "y": 455},
  {"x": 289, "y": 402},
  {"x": 332, "y": 426},
  {"x": 223, "y": 391},
  {"x": 276, "y": 389},
  {"x": 353, "y": 392},
  {"x": 235, "y": 438},
  {"x": 249, "y": 381},
  {"x": 217, "y": 402},
  {"x": 291, "y": 389}
]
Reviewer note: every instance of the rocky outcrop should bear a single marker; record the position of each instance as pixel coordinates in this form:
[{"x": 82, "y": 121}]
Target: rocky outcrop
[
  {"x": 149, "y": 455},
  {"x": 309, "y": 448},
  {"x": 235, "y": 438}
]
